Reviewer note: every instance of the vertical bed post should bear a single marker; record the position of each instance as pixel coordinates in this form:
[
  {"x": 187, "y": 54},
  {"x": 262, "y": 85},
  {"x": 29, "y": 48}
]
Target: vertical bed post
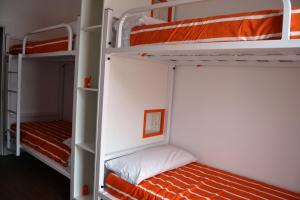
[
  {"x": 287, "y": 17},
  {"x": 104, "y": 71},
  {"x": 76, "y": 48},
  {"x": 18, "y": 121},
  {"x": 170, "y": 100},
  {"x": 101, "y": 137}
]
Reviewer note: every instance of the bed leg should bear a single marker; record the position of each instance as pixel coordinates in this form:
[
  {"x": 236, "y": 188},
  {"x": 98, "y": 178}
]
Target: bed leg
[{"x": 8, "y": 144}]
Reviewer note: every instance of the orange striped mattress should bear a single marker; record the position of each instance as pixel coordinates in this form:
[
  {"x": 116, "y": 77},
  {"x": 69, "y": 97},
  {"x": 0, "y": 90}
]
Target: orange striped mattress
[
  {"x": 195, "y": 181},
  {"x": 47, "y": 138},
  {"x": 43, "y": 46},
  {"x": 261, "y": 25}
]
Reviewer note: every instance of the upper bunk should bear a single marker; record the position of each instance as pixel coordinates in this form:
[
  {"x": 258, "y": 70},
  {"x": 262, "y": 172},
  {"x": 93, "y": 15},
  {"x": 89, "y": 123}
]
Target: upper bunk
[
  {"x": 264, "y": 37},
  {"x": 56, "y": 42}
]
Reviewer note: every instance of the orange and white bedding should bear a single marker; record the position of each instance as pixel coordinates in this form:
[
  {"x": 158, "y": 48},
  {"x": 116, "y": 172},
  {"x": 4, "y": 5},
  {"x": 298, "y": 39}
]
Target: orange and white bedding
[
  {"x": 43, "y": 46},
  {"x": 47, "y": 138},
  {"x": 261, "y": 25},
  {"x": 195, "y": 181}
]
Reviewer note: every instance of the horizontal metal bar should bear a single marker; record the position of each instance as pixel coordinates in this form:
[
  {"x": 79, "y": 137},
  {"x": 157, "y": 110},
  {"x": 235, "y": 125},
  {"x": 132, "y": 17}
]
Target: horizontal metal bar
[
  {"x": 294, "y": 58},
  {"x": 12, "y": 91},
  {"x": 92, "y": 28},
  {"x": 161, "y": 5},
  {"x": 49, "y": 29},
  {"x": 66, "y": 26},
  {"x": 12, "y": 131},
  {"x": 11, "y": 111}
]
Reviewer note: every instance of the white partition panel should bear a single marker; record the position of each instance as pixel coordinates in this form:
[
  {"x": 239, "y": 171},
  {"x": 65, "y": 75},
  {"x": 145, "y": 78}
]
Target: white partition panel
[
  {"x": 241, "y": 119},
  {"x": 133, "y": 86},
  {"x": 86, "y": 99},
  {"x": 121, "y": 6}
]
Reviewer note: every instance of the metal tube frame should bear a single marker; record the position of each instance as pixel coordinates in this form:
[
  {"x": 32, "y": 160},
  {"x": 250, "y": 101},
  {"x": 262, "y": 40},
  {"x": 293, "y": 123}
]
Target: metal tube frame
[
  {"x": 287, "y": 14},
  {"x": 18, "y": 126},
  {"x": 66, "y": 26},
  {"x": 19, "y": 81}
]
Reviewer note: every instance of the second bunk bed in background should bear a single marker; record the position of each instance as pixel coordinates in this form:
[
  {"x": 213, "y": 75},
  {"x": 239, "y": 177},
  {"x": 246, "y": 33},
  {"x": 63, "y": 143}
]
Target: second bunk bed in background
[{"x": 66, "y": 145}]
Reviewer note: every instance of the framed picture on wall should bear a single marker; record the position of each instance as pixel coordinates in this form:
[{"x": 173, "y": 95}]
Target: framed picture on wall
[
  {"x": 154, "y": 121},
  {"x": 165, "y": 14}
]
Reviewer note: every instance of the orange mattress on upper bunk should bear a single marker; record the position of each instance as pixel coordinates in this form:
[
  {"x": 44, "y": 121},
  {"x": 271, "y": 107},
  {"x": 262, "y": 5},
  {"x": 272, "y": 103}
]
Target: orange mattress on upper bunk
[
  {"x": 249, "y": 26},
  {"x": 193, "y": 182},
  {"x": 43, "y": 46},
  {"x": 47, "y": 137}
]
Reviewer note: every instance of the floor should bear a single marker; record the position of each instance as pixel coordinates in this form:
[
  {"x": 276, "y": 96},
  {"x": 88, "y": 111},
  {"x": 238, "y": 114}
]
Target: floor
[{"x": 26, "y": 178}]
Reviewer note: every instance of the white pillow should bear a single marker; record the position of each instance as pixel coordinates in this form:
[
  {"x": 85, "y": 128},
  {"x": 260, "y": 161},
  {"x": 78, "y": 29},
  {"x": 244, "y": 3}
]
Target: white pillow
[
  {"x": 144, "y": 164},
  {"x": 146, "y": 20}
]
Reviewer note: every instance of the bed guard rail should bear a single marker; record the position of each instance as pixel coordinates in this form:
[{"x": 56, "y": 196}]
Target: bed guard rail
[
  {"x": 50, "y": 28},
  {"x": 287, "y": 14}
]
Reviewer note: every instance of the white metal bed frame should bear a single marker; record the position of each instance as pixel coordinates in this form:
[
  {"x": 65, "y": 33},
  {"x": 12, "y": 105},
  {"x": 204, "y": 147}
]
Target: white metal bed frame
[
  {"x": 265, "y": 52},
  {"x": 67, "y": 55},
  {"x": 215, "y": 53}
]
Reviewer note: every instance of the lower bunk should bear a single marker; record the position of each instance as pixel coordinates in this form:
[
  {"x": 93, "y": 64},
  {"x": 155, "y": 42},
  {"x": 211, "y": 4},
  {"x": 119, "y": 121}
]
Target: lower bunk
[
  {"x": 48, "y": 141},
  {"x": 189, "y": 181}
]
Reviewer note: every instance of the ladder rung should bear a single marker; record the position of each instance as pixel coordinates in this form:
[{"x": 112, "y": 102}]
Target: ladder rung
[
  {"x": 12, "y": 72},
  {"x": 12, "y": 91},
  {"x": 12, "y": 131},
  {"x": 11, "y": 111}
]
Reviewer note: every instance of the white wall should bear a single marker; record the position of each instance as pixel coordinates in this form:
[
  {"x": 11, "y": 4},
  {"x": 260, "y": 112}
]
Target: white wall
[
  {"x": 219, "y": 7},
  {"x": 241, "y": 119},
  {"x": 120, "y": 6},
  {"x": 40, "y": 80},
  {"x": 133, "y": 86},
  {"x": 20, "y": 17},
  {"x": 68, "y": 92},
  {"x": 42, "y": 89}
]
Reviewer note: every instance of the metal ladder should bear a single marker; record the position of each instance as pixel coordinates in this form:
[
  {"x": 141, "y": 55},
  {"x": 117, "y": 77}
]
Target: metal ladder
[{"x": 11, "y": 93}]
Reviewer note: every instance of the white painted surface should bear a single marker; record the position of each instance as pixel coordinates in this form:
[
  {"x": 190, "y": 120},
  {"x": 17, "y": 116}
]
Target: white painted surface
[
  {"x": 119, "y": 7},
  {"x": 41, "y": 89},
  {"x": 20, "y": 17},
  {"x": 241, "y": 119},
  {"x": 220, "y": 7},
  {"x": 40, "y": 83},
  {"x": 85, "y": 101},
  {"x": 40, "y": 80},
  {"x": 134, "y": 86}
]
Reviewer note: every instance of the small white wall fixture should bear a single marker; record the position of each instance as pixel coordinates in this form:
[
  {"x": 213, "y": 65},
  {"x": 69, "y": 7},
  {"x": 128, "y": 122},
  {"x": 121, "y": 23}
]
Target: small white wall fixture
[{"x": 154, "y": 121}]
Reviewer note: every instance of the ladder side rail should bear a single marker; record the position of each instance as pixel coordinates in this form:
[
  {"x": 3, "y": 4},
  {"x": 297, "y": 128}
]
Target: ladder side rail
[{"x": 18, "y": 121}]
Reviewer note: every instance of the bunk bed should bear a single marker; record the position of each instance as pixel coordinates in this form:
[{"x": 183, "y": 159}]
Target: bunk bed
[
  {"x": 276, "y": 43},
  {"x": 49, "y": 141}
]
